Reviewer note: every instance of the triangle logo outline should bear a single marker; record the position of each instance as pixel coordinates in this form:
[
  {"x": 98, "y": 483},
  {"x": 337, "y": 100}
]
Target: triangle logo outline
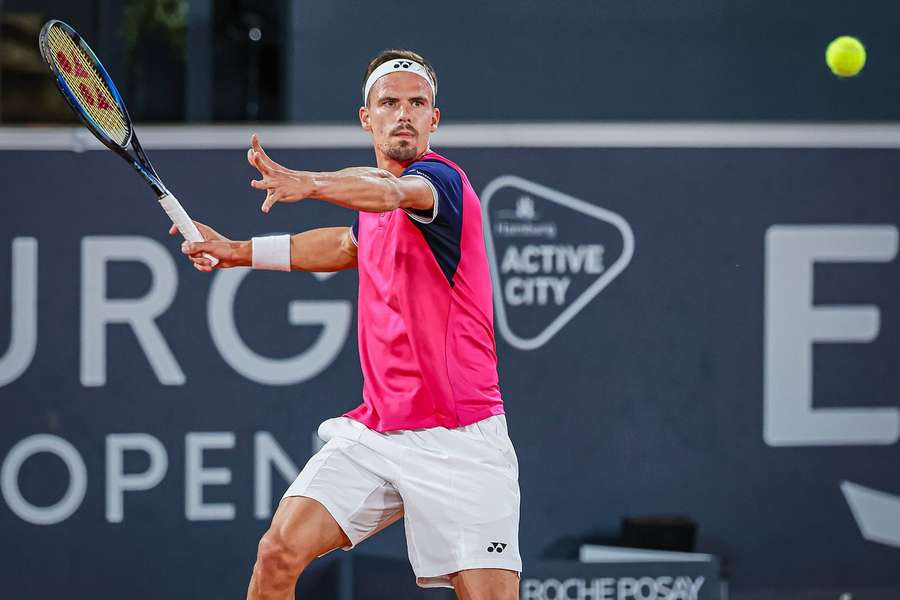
[{"x": 602, "y": 214}]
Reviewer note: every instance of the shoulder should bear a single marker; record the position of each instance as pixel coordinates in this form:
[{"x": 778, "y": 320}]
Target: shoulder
[
  {"x": 432, "y": 169},
  {"x": 445, "y": 180}
]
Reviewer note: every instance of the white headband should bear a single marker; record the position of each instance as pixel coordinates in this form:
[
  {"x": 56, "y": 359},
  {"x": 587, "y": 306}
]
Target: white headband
[{"x": 398, "y": 65}]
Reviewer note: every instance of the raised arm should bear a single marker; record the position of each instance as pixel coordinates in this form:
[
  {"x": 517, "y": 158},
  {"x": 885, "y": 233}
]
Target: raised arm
[
  {"x": 366, "y": 189},
  {"x": 321, "y": 250}
]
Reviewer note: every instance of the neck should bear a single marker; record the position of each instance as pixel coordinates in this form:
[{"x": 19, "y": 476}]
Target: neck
[{"x": 395, "y": 167}]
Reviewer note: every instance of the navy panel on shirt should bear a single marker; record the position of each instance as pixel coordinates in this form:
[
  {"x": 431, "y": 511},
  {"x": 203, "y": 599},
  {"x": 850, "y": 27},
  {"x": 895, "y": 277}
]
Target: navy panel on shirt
[
  {"x": 443, "y": 234},
  {"x": 354, "y": 229}
]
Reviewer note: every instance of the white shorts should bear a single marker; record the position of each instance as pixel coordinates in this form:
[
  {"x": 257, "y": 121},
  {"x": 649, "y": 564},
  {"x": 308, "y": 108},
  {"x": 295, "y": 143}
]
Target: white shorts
[{"x": 458, "y": 490}]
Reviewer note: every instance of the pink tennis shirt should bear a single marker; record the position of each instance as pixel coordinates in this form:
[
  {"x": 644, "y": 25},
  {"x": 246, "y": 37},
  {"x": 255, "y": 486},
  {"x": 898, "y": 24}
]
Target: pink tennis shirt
[{"x": 426, "y": 326}]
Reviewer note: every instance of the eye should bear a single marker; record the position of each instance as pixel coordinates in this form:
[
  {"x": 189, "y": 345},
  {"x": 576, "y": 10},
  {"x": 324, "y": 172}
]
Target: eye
[{"x": 418, "y": 103}]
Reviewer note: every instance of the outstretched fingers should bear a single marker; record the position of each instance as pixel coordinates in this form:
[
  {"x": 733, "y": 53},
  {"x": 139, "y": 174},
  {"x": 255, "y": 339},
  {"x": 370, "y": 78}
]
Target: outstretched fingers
[
  {"x": 269, "y": 202},
  {"x": 257, "y": 147},
  {"x": 272, "y": 174},
  {"x": 257, "y": 162}
]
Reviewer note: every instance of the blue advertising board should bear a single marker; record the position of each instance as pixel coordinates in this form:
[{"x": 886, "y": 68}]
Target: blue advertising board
[{"x": 709, "y": 332}]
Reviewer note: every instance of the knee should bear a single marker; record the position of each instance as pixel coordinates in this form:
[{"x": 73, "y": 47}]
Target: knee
[{"x": 277, "y": 559}]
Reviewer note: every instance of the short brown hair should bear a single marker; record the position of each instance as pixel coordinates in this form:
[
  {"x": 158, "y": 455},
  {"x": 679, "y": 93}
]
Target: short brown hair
[{"x": 394, "y": 53}]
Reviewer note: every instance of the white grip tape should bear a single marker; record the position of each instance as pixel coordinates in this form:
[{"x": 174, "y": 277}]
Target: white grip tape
[{"x": 183, "y": 222}]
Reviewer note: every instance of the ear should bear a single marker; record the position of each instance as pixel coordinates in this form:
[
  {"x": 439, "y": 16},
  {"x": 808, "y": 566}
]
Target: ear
[
  {"x": 364, "y": 118},
  {"x": 435, "y": 119}
]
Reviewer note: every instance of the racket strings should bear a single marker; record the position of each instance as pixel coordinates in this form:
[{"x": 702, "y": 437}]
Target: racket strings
[{"x": 91, "y": 92}]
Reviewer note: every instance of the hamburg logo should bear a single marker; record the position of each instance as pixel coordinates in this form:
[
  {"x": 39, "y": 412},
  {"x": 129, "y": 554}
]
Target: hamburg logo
[{"x": 550, "y": 255}]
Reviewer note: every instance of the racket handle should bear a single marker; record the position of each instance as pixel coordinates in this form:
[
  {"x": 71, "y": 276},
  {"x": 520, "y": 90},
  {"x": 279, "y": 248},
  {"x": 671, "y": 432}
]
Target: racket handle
[{"x": 183, "y": 222}]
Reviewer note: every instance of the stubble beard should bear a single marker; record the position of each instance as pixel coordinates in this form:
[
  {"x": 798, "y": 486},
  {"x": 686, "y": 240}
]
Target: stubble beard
[{"x": 402, "y": 151}]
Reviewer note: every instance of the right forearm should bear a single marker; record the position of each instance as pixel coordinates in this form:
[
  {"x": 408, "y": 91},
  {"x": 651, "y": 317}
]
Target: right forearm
[{"x": 322, "y": 250}]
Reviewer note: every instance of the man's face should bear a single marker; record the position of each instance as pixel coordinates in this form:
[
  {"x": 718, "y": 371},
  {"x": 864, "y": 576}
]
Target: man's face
[{"x": 401, "y": 115}]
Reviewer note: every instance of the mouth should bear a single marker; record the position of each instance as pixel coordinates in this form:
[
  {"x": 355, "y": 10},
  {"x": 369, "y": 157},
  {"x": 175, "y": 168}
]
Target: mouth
[{"x": 404, "y": 133}]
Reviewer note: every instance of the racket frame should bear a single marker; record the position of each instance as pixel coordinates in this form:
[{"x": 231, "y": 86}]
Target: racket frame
[{"x": 141, "y": 163}]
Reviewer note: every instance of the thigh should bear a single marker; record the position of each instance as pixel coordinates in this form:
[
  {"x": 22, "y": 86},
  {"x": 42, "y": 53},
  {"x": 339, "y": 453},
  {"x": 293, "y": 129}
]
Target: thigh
[
  {"x": 486, "y": 584},
  {"x": 350, "y": 480},
  {"x": 461, "y": 497},
  {"x": 305, "y": 526}
]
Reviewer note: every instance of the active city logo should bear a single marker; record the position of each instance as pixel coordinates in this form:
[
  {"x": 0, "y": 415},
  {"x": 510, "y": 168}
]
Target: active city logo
[{"x": 547, "y": 263}]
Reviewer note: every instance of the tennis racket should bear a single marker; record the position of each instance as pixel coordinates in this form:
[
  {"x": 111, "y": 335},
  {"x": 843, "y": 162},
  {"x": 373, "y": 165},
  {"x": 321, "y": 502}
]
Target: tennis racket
[{"x": 91, "y": 93}]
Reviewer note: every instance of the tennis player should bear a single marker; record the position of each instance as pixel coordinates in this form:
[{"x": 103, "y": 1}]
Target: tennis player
[{"x": 429, "y": 442}]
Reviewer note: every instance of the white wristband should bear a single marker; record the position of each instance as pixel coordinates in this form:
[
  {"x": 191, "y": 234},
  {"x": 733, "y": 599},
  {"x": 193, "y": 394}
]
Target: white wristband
[{"x": 272, "y": 252}]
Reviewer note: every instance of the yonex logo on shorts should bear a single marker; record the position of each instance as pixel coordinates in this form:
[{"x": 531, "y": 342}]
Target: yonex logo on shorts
[{"x": 497, "y": 547}]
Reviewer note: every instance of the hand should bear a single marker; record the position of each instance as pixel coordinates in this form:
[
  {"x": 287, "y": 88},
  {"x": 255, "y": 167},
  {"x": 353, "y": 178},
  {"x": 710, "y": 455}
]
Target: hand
[
  {"x": 281, "y": 184},
  {"x": 228, "y": 252},
  {"x": 208, "y": 233}
]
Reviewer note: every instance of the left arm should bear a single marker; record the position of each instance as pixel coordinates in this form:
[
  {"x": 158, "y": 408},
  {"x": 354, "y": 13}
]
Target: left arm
[
  {"x": 366, "y": 189},
  {"x": 323, "y": 249}
]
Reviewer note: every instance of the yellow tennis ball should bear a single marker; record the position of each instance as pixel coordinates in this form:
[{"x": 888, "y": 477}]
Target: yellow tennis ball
[{"x": 846, "y": 56}]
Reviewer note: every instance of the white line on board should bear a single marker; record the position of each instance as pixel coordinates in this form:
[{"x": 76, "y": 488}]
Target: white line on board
[{"x": 483, "y": 135}]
